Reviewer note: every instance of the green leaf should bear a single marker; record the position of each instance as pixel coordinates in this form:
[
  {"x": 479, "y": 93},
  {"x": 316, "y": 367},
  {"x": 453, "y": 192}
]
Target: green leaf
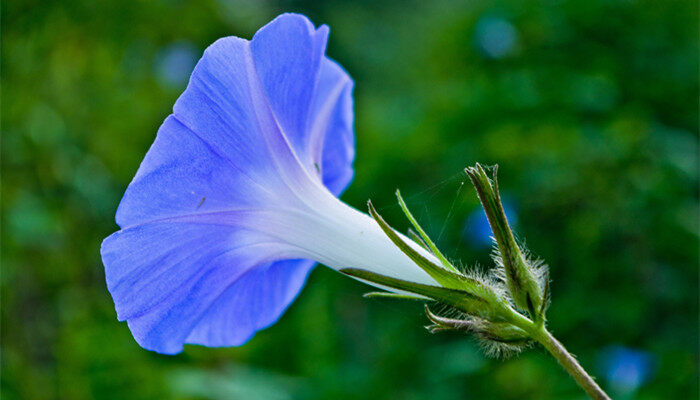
[
  {"x": 433, "y": 248},
  {"x": 459, "y": 299}
]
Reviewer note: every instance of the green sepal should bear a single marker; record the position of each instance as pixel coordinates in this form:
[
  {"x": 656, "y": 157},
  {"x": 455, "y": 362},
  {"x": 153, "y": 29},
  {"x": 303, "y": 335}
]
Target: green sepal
[
  {"x": 499, "y": 337},
  {"x": 426, "y": 239},
  {"x": 545, "y": 298},
  {"x": 393, "y": 296},
  {"x": 416, "y": 238},
  {"x": 459, "y": 299},
  {"x": 500, "y": 332},
  {"x": 444, "y": 277},
  {"x": 445, "y": 324}
]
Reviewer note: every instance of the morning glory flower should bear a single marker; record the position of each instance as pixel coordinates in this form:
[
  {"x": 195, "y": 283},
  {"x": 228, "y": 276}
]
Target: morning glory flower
[{"x": 236, "y": 199}]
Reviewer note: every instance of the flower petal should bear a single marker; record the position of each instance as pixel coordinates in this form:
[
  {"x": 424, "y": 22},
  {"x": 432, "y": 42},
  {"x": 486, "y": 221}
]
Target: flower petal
[
  {"x": 287, "y": 54},
  {"x": 233, "y": 318},
  {"x": 273, "y": 102},
  {"x": 174, "y": 289},
  {"x": 183, "y": 175},
  {"x": 218, "y": 106},
  {"x": 331, "y": 132},
  {"x": 257, "y": 120}
]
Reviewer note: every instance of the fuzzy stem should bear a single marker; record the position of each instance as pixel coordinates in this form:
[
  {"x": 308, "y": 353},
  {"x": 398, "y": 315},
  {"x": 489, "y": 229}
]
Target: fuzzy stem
[{"x": 571, "y": 365}]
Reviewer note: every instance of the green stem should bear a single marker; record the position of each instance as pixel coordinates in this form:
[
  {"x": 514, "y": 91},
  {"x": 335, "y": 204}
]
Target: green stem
[{"x": 570, "y": 364}]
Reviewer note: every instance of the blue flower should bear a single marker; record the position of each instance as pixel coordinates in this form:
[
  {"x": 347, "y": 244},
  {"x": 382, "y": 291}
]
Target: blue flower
[{"x": 236, "y": 198}]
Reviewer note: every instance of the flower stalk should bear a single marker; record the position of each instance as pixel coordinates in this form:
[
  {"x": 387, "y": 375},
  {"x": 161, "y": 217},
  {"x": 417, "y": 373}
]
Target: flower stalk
[
  {"x": 504, "y": 308},
  {"x": 570, "y": 364}
]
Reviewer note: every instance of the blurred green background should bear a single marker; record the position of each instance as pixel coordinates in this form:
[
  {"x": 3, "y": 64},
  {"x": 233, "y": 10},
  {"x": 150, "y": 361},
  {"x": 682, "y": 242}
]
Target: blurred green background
[{"x": 589, "y": 107}]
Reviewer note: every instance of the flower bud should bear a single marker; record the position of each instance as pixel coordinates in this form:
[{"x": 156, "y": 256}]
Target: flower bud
[{"x": 524, "y": 278}]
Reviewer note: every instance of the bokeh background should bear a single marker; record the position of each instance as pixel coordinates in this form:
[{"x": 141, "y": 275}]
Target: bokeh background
[{"x": 589, "y": 107}]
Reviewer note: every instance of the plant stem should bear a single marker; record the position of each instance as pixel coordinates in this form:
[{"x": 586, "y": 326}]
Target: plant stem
[{"x": 570, "y": 364}]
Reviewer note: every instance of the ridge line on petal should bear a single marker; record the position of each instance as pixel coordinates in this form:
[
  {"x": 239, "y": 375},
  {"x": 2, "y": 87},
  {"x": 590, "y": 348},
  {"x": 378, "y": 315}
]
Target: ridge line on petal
[
  {"x": 314, "y": 130},
  {"x": 183, "y": 217},
  {"x": 218, "y": 153},
  {"x": 257, "y": 86}
]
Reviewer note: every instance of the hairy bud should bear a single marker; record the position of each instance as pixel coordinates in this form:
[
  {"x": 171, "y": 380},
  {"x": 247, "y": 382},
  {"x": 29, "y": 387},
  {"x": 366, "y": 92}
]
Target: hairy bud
[{"x": 523, "y": 276}]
